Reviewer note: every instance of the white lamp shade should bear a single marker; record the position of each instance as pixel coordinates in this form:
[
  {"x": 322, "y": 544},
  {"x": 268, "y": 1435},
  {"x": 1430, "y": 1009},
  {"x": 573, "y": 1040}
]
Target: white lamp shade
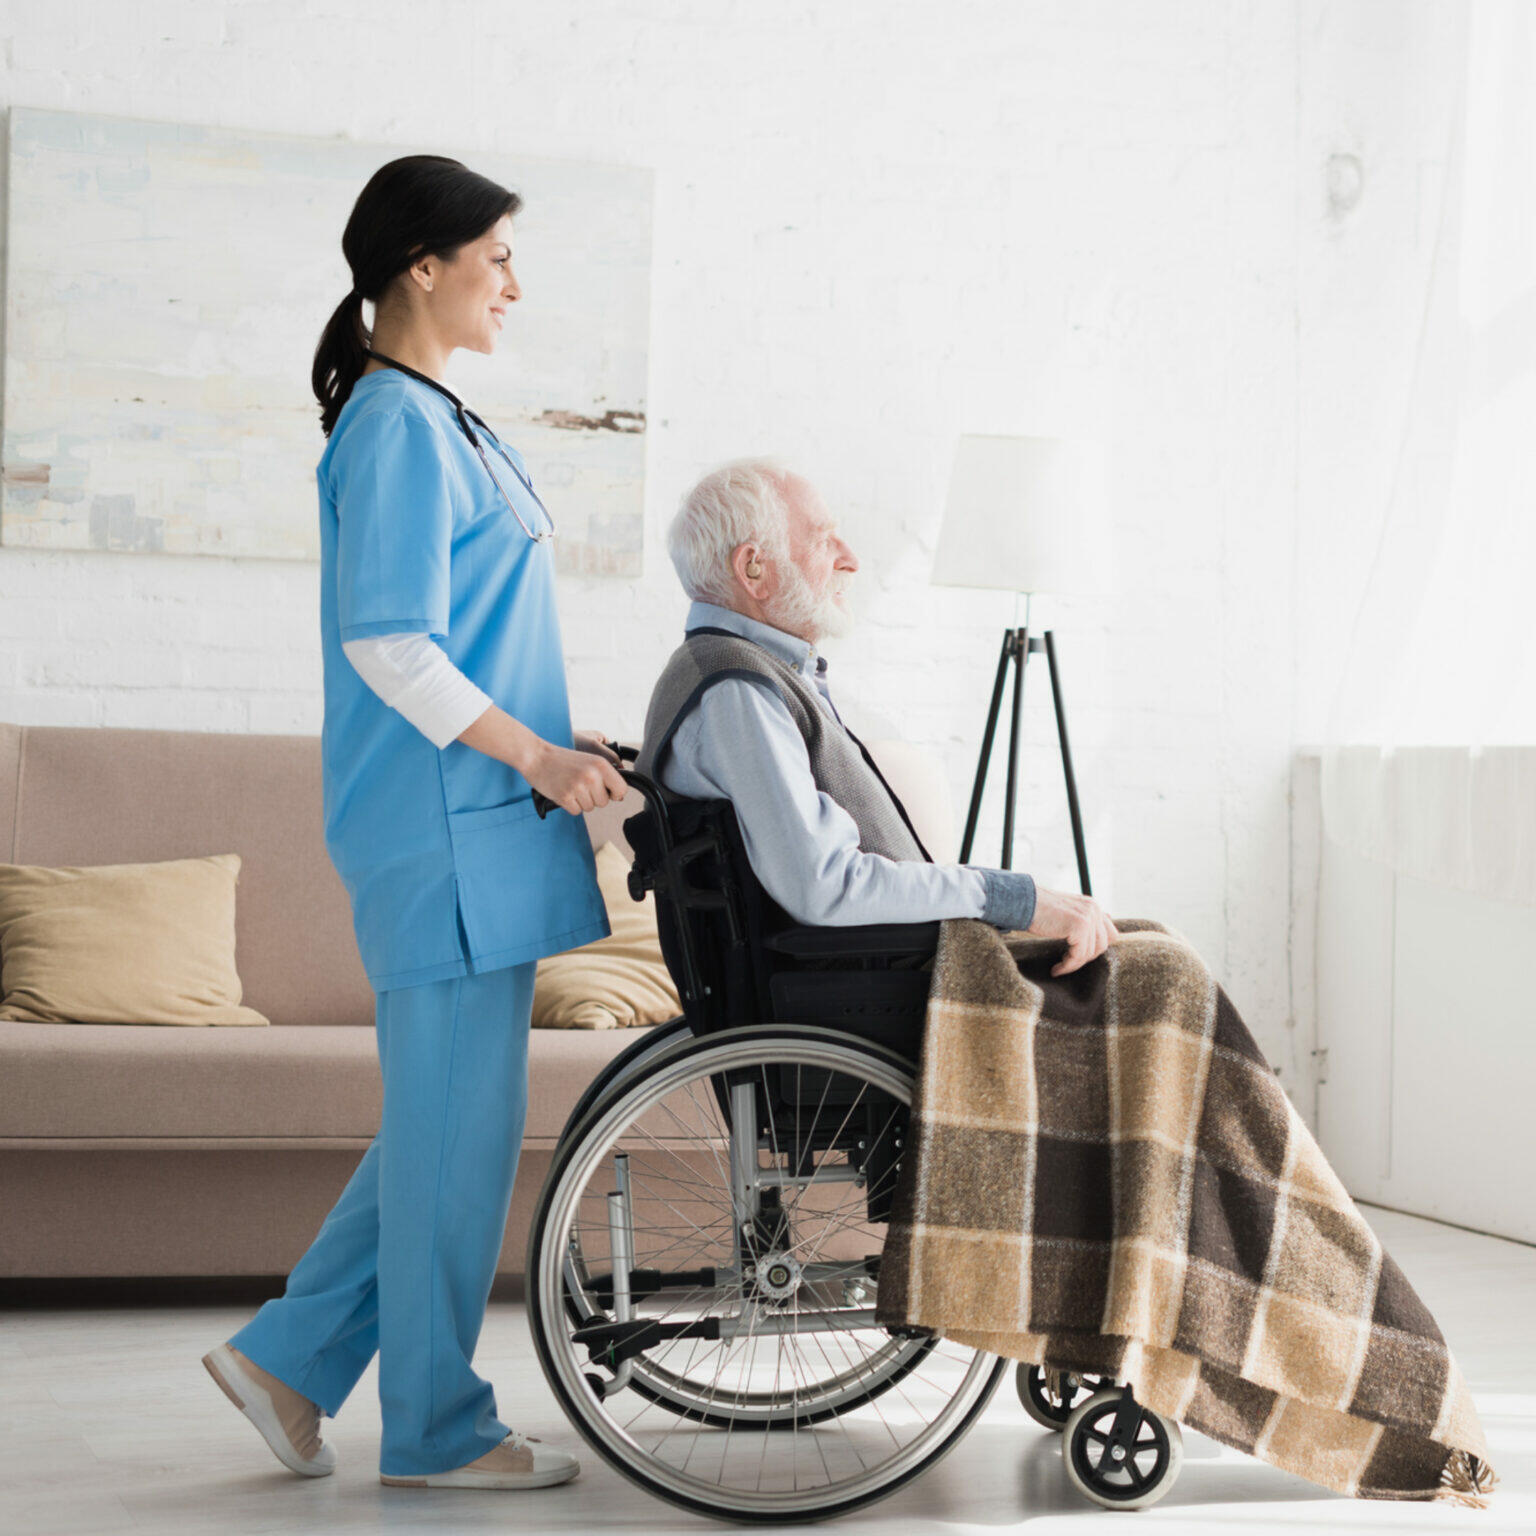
[{"x": 1024, "y": 514}]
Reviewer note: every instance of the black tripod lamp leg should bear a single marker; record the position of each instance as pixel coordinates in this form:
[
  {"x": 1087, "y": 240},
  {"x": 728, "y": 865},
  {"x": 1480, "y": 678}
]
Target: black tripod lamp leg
[
  {"x": 1015, "y": 731},
  {"x": 986, "y": 747}
]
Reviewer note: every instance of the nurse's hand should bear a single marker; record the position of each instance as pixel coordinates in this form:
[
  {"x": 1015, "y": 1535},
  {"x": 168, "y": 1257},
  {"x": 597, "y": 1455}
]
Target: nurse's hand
[{"x": 576, "y": 779}]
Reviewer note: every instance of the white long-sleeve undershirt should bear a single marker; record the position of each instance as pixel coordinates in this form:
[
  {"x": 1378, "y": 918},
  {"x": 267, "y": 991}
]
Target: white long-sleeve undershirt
[{"x": 411, "y": 672}]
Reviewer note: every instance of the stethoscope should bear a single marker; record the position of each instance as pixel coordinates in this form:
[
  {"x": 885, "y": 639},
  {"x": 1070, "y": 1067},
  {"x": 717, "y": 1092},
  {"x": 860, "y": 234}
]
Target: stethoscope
[{"x": 464, "y": 413}]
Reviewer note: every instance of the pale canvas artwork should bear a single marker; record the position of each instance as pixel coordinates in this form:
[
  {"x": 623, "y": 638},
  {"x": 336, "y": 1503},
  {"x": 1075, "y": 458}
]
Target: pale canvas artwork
[{"x": 166, "y": 285}]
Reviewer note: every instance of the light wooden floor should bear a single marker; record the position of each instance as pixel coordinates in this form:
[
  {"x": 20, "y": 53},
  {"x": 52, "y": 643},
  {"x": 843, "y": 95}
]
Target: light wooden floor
[{"x": 108, "y": 1423}]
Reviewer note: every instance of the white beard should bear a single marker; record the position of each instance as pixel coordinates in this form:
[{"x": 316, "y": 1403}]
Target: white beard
[{"x": 798, "y": 608}]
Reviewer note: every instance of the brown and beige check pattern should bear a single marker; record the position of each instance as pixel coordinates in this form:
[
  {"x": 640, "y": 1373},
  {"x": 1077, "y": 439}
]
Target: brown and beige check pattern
[{"x": 1104, "y": 1174}]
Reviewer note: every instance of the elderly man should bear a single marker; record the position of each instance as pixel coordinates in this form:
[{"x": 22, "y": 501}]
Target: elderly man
[{"x": 742, "y": 711}]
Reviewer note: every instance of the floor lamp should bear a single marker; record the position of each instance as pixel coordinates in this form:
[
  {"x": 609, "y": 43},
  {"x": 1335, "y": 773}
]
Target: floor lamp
[{"x": 1022, "y": 516}]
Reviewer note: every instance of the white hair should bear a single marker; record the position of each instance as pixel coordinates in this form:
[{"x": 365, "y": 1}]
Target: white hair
[{"x": 741, "y": 502}]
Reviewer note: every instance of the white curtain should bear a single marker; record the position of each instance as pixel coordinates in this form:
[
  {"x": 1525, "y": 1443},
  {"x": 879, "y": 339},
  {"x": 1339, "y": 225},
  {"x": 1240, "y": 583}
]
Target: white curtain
[
  {"x": 1443, "y": 649},
  {"x": 1432, "y": 762}
]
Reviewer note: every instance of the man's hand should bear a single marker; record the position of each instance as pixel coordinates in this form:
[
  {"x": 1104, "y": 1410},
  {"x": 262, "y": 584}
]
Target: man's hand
[
  {"x": 594, "y": 741},
  {"x": 1080, "y": 920}
]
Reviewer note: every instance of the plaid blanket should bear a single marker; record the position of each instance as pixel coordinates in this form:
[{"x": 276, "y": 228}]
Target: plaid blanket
[{"x": 1104, "y": 1175}]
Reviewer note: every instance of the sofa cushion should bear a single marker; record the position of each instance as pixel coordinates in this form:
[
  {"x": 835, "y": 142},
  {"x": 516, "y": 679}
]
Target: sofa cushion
[
  {"x": 122, "y": 943},
  {"x": 302, "y": 1081}
]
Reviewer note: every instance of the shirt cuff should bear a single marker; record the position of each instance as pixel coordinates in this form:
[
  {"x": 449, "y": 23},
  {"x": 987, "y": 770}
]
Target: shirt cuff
[
  {"x": 446, "y": 724},
  {"x": 1009, "y": 902}
]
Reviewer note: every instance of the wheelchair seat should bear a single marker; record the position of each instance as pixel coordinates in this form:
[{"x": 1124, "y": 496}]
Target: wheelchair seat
[{"x": 738, "y": 957}]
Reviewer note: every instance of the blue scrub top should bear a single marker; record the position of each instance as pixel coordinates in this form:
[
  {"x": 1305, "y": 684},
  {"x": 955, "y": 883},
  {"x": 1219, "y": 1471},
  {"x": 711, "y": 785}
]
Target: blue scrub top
[{"x": 450, "y": 869}]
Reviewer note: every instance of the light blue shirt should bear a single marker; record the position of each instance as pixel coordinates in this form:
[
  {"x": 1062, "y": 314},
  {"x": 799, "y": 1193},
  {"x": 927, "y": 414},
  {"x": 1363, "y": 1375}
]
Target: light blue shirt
[
  {"x": 740, "y": 743},
  {"x": 449, "y": 868}
]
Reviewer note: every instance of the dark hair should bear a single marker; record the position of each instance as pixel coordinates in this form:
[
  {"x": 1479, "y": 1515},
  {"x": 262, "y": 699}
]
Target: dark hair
[{"x": 415, "y": 206}]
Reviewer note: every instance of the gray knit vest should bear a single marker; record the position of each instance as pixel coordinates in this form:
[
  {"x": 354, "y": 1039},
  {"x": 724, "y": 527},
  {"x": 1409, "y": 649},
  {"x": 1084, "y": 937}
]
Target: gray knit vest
[{"x": 840, "y": 765}]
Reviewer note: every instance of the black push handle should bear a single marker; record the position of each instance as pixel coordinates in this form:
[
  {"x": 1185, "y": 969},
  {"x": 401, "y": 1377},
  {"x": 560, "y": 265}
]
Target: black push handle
[
  {"x": 669, "y": 874},
  {"x": 544, "y": 805}
]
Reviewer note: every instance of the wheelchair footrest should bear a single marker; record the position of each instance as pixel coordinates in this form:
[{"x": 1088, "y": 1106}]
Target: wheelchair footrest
[{"x": 609, "y": 1344}]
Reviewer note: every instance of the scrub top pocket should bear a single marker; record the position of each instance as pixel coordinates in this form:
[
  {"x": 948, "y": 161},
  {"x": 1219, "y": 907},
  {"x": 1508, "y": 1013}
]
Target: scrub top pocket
[{"x": 509, "y": 862}]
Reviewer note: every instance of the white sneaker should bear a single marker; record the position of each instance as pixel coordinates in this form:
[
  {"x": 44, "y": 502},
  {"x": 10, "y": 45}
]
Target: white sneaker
[
  {"x": 520, "y": 1461},
  {"x": 288, "y": 1421}
]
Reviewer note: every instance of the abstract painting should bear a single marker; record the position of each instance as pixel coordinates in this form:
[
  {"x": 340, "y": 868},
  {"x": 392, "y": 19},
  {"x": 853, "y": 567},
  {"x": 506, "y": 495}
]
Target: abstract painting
[{"x": 166, "y": 285}]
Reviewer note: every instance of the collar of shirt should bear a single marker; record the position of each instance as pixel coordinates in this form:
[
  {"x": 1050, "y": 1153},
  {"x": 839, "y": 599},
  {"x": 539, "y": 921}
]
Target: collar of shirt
[{"x": 800, "y": 654}]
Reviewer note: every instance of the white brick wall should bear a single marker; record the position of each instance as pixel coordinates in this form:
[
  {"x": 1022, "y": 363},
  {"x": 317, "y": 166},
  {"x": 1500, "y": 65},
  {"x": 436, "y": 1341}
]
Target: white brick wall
[{"x": 878, "y": 223}]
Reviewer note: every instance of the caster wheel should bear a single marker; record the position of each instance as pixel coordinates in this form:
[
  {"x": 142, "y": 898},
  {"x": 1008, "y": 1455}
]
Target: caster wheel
[
  {"x": 1049, "y": 1408},
  {"x": 1129, "y": 1471}
]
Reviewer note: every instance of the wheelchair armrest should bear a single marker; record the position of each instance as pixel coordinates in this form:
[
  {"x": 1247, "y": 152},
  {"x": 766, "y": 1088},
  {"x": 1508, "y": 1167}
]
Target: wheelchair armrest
[{"x": 861, "y": 939}]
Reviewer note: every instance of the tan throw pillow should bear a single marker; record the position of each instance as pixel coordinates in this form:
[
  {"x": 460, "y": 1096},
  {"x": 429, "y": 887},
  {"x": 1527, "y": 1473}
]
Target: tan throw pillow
[
  {"x": 121, "y": 943},
  {"x": 612, "y": 982}
]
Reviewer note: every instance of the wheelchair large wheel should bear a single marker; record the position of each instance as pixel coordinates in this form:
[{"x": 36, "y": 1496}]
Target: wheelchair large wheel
[{"x": 722, "y": 1212}]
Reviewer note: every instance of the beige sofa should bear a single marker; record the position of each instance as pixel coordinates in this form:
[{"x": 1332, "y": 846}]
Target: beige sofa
[
  {"x": 157, "y": 1150},
  {"x": 141, "y": 1149}
]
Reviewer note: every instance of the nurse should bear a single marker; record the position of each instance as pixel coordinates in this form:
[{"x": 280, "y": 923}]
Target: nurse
[{"x": 445, "y": 708}]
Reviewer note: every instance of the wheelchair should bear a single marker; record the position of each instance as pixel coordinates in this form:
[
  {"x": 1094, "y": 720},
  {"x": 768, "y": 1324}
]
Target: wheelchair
[{"x": 704, "y": 1259}]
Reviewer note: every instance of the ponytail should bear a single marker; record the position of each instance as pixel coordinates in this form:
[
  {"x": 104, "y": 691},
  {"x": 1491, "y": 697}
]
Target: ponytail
[{"x": 339, "y": 358}]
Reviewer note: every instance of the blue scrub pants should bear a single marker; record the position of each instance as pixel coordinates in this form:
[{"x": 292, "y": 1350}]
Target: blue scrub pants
[{"x": 405, "y": 1260}]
